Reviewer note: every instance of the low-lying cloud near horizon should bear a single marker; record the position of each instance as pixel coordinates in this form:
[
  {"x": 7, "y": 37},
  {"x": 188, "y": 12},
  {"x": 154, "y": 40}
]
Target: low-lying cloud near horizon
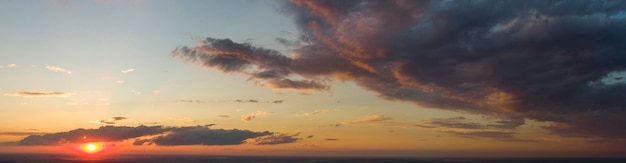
[
  {"x": 546, "y": 60},
  {"x": 165, "y": 136}
]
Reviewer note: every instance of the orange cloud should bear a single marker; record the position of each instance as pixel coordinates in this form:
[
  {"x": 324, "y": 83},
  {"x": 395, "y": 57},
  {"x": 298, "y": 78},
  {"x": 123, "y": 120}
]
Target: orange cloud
[
  {"x": 249, "y": 117},
  {"x": 368, "y": 119}
]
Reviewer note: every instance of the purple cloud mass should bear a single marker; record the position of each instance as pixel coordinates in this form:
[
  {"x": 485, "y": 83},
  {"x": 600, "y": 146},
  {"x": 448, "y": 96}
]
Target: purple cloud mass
[
  {"x": 163, "y": 136},
  {"x": 545, "y": 60}
]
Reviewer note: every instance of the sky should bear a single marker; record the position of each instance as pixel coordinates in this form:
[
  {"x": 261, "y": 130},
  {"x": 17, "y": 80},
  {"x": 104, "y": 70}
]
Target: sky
[{"x": 314, "y": 78}]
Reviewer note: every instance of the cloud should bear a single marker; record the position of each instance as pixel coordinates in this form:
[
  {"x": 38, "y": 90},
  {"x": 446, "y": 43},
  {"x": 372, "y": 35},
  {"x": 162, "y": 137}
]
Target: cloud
[
  {"x": 105, "y": 133},
  {"x": 127, "y": 71},
  {"x": 205, "y": 136},
  {"x": 104, "y": 122},
  {"x": 164, "y": 136},
  {"x": 297, "y": 85},
  {"x": 237, "y": 100},
  {"x": 549, "y": 61},
  {"x": 315, "y": 112},
  {"x": 58, "y": 69},
  {"x": 230, "y": 57},
  {"x": 142, "y": 142},
  {"x": 20, "y": 133},
  {"x": 9, "y": 66},
  {"x": 454, "y": 122},
  {"x": 496, "y": 135},
  {"x": 276, "y": 139},
  {"x": 251, "y": 101},
  {"x": 192, "y": 101},
  {"x": 249, "y": 117},
  {"x": 368, "y": 119},
  {"x": 485, "y": 134},
  {"x": 223, "y": 116},
  {"x": 331, "y": 139},
  {"x": 40, "y": 94},
  {"x": 119, "y": 118},
  {"x": 109, "y": 121},
  {"x": 8, "y": 143}
]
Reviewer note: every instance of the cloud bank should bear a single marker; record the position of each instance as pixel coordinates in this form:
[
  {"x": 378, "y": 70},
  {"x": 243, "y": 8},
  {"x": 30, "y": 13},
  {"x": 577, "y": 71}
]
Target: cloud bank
[
  {"x": 165, "y": 136},
  {"x": 546, "y": 60}
]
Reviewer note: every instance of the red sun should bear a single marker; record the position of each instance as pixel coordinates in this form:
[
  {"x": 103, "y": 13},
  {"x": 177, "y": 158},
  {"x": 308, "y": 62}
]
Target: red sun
[{"x": 91, "y": 147}]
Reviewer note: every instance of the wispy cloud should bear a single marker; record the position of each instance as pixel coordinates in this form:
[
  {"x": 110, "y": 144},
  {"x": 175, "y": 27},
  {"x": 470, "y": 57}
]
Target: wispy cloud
[
  {"x": 40, "y": 94},
  {"x": 252, "y": 101},
  {"x": 110, "y": 121},
  {"x": 127, "y": 71},
  {"x": 223, "y": 116},
  {"x": 249, "y": 117},
  {"x": 461, "y": 122},
  {"x": 315, "y": 112},
  {"x": 8, "y": 66},
  {"x": 237, "y": 101},
  {"x": 368, "y": 119},
  {"x": 454, "y": 122},
  {"x": 485, "y": 134},
  {"x": 58, "y": 69},
  {"x": 20, "y": 133},
  {"x": 494, "y": 135}
]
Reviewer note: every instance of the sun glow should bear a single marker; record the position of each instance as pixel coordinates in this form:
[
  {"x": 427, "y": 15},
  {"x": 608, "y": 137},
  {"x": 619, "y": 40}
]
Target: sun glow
[{"x": 91, "y": 147}]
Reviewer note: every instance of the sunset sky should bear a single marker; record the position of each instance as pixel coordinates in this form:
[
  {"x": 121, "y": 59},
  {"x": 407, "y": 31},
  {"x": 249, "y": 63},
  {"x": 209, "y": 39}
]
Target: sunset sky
[{"x": 316, "y": 78}]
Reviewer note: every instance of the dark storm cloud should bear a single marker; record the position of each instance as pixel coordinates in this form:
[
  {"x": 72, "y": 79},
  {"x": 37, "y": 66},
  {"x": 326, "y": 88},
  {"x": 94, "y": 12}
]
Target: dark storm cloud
[
  {"x": 166, "y": 136},
  {"x": 545, "y": 60}
]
